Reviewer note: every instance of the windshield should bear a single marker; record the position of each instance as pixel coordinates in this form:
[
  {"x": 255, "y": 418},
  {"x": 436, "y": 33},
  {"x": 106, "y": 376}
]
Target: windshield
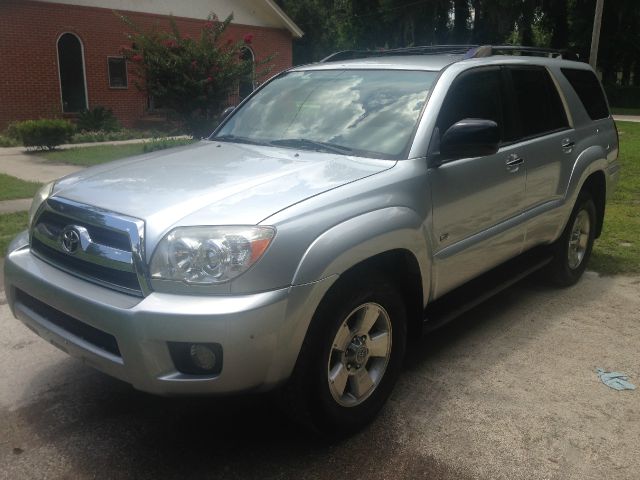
[{"x": 355, "y": 112}]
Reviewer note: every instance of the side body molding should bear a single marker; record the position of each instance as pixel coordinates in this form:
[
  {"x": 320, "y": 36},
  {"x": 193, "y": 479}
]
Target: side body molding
[{"x": 362, "y": 237}]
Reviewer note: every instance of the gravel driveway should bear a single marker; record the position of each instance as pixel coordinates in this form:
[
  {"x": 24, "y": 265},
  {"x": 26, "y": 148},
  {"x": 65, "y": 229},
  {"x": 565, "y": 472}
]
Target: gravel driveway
[{"x": 508, "y": 391}]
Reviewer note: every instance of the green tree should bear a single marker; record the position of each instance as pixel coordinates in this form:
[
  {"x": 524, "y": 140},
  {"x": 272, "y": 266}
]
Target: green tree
[{"x": 194, "y": 77}]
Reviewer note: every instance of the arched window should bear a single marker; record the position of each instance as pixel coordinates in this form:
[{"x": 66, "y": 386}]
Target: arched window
[
  {"x": 73, "y": 87},
  {"x": 247, "y": 83}
]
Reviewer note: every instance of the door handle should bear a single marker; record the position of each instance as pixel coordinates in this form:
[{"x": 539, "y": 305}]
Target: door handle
[
  {"x": 567, "y": 145},
  {"x": 513, "y": 162}
]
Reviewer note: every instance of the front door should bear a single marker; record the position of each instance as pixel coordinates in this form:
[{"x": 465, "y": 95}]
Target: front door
[{"x": 476, "y": 200}]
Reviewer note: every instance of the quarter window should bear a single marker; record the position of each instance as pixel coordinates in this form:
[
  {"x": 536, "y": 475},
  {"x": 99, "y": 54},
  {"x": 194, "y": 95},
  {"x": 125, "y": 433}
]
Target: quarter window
[
  {"x": 586, "y": 85},
  {"x": 539, "y": 105},
  {"x": 117, "y": 72}
]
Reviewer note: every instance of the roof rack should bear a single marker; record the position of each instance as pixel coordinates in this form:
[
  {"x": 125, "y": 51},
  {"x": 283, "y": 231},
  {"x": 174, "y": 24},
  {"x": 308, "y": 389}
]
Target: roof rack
[
  {"x": 423, "y": 50},
  {"x": 489, "y": 50},
  {"x": 469, "y": 51}
]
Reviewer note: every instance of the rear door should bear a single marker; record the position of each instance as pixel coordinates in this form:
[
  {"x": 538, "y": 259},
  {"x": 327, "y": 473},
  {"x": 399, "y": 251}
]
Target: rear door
[
  {"x": 476, "y": 201},
  {"x": 545, "y": 140}
]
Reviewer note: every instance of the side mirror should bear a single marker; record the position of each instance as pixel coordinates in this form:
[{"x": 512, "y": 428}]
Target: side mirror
[{"x": 470, "y": 137}]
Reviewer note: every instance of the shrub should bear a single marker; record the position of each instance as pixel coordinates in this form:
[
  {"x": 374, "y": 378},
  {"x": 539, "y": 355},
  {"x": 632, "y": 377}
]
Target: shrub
[
  {"x": 6, "y": 141},
  {"x": 162, "y": 143},
  {"x": 43, "y": 133},
  {"x": 102, "y": 136},
  {"x": 625, "y": 97},
  {"x": 193, "y": 76},
  {"x": 98, "y": 118}
]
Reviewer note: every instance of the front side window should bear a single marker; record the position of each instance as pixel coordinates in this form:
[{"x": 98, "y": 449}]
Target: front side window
[
  {"x": 474, "y": 94},
  {"x": 539, "y": 105},
  {"x": 358, "y": 112}
]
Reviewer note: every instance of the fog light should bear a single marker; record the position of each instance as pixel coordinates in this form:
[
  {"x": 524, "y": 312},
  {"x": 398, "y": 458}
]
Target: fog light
[
  {"x": 203, "y": 356},
  {"x": 196, "y": 358}
]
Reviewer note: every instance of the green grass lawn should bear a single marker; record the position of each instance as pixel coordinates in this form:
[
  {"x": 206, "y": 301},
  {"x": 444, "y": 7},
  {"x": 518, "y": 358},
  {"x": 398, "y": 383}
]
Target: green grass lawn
[
  {"x": 10, "y": 225},
  {"x": 12, "y": 187},
  {"x": 618, "y": 249},
  {"x": 87, "y": 156}
]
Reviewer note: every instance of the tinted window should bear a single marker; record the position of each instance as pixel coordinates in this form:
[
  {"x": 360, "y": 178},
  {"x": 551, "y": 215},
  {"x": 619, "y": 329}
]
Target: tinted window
[
  {"x": 117, "y": 72},
  {"x": 474, "y": 94},
  {"x": 540, "y": 108},
  {"x": 366, "y": 112},
  {"x": 586, "y": 85}
]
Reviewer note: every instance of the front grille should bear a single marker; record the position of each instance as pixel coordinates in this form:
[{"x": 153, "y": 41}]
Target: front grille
[
  {"x": 128, "y": 280},
  {"x": 106, "y": 250},
  {"x": 101, "y": 235},
  {"x": 86, "y": 332}
]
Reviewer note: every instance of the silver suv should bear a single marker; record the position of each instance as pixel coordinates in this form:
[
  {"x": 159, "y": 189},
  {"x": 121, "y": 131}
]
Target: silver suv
[{"x": 339, "y": 211}]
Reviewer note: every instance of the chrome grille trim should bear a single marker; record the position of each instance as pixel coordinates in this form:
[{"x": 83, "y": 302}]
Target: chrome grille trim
[{"x": 94, "y": 252}]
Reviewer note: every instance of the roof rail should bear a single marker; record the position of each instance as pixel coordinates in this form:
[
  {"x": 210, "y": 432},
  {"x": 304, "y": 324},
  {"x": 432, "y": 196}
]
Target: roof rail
[
  {"x": 489, "y": 50},
  {"x": 469, "y": 51},
  {"x": 422, "y": 50}
]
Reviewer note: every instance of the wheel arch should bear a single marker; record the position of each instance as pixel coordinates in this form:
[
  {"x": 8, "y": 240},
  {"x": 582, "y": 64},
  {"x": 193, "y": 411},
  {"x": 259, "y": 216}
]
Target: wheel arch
[
  {"x": 596, "y": 185},
  {"x": 391, "y": 241}
]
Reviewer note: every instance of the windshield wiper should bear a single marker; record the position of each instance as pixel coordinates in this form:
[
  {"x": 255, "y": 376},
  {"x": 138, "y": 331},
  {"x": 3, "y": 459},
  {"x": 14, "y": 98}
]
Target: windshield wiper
[
  {"x": 311, "y": 145},
  {"x": 234, "y": 138}
]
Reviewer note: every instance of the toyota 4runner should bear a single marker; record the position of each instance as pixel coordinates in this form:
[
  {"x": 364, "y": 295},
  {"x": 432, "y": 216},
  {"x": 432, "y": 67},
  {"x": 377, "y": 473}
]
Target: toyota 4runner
[{"x": 336, "y": 213}]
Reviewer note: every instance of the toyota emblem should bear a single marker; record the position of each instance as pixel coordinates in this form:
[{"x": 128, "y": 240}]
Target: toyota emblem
[{"x": 70, "y": 239}]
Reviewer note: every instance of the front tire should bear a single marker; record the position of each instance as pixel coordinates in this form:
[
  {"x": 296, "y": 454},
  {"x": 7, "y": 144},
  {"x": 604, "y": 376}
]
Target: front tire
[
  {"x": 572, "y": 250},
  {"x": 351, "y": 357}
]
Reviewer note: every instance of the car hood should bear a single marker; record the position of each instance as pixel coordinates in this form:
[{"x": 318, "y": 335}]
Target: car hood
[{"x": 213, "y": 183}]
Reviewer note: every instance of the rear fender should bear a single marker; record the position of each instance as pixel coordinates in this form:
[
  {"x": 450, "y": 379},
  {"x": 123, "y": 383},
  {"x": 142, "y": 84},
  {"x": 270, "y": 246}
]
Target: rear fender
[{"x": 591, "y": 160}]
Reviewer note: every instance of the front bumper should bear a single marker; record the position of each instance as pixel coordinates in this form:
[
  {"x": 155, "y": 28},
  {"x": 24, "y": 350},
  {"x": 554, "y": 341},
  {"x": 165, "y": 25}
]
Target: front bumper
[{"x": 260, "y": 334}]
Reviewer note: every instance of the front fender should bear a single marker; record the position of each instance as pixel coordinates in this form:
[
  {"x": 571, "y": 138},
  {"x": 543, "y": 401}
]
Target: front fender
[{"x": 360, "y": 238}]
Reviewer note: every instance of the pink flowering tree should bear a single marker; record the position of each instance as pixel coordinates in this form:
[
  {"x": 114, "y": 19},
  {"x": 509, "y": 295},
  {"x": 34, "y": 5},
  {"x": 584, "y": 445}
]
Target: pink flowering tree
[{"x": 193, "y": 77}]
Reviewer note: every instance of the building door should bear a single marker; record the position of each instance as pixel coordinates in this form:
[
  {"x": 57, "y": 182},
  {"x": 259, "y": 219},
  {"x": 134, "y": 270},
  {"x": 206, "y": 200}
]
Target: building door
[{"x": 73, "y": 87}]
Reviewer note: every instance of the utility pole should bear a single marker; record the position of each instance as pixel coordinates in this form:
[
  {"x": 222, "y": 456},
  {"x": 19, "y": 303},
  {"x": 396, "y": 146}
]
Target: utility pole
[{"x": 595, "y": 35}]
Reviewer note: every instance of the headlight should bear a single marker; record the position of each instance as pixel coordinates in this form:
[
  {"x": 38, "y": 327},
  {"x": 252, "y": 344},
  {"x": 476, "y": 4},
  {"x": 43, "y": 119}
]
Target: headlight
[
  {"x": 209, "y": 255},
  {"x": 40, "y": 197}
]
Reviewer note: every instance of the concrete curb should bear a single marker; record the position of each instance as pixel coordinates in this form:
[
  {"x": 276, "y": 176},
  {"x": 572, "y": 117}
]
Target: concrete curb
[
  {"x": 17, "y": 205},
  {"x": 626, "y": 118}
]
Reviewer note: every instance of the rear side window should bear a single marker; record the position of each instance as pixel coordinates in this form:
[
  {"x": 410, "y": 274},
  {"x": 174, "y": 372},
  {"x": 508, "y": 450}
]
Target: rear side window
[
  {"x": 474, "y": 94},
  {"x": 586, "y": 85},
  {"x": 539, "y": 105}
]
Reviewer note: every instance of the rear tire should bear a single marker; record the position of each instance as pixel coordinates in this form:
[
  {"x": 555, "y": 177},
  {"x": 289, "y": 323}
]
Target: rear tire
[
  {"x": 351, "y": 357},
  {"x": 571, "y": 252}
]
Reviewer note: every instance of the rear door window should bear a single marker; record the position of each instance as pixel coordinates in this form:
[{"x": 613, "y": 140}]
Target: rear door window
[
  {"x": 540, "y": 108},
  {"x": 587, "y": 86}
]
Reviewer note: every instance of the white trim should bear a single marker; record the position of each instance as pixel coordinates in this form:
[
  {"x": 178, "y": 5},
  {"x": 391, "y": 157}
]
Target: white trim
[
  {"x": 84, "y": 71},
  {"x": 259, "y": 13},
  {"x": 293, "y": 28},
  {"x": 126, "y": 72}
]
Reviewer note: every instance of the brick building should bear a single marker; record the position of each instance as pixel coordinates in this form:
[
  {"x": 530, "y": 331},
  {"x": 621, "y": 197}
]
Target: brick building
[{"x": 59, "y": 57}]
